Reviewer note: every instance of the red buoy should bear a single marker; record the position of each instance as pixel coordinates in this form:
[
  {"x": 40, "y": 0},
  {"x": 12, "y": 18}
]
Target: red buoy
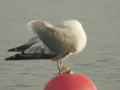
[{"x": 70, "y": 82}]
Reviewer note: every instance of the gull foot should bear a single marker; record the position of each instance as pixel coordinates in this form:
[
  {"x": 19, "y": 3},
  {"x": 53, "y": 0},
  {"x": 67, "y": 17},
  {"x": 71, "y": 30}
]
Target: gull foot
[{"x": 65, "y": 70}]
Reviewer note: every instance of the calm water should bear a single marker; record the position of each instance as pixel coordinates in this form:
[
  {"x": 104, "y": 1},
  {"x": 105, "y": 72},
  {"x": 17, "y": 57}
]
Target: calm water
[{"x": 100, "y": 60}]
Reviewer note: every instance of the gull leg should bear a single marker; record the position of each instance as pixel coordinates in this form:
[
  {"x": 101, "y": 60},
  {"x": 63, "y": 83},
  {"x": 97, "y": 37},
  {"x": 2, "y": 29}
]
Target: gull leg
[
  {"x": 59, "y": 65},
  {"x": 63, "y": 69}
]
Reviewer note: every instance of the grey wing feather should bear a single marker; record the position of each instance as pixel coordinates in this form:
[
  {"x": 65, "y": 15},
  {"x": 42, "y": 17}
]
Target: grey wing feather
[{"x": 25, "y": 46}]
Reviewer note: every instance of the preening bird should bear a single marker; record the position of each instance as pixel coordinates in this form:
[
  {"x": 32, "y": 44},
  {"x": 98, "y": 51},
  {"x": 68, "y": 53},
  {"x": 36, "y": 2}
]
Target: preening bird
[{"x": 52, "y": 42}]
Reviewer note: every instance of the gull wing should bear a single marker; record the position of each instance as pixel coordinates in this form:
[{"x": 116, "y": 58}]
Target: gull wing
[
  {"x": 33, "y": 49},
  {"x": 58, "y": 40},
  {"x": 25, "y": 46}
]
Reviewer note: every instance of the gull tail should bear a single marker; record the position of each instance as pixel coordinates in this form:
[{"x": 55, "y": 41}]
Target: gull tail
[{"x": 29, "y": 57}]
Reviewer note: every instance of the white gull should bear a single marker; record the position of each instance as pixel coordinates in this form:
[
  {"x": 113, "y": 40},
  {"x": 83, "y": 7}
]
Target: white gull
[{"x": 52, "y": 42}]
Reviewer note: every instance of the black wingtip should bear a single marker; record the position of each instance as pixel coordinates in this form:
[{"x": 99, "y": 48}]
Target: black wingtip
[
  {"x": 13, "y": 49},
  {"x": 9, "y": 58},
  {"x": 15, "y": 57},
  {"x": 19, "y": 48},
  {"x": 28, "y": 57},
  {"x": 21, "y": 57}
]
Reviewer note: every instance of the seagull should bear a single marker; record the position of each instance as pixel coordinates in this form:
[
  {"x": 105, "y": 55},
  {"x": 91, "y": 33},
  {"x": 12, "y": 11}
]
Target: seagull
[{"x": 52, "y": 42}]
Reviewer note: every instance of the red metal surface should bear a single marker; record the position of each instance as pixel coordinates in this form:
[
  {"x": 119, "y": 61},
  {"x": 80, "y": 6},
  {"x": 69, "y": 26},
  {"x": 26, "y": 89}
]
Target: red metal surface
[{"x": 70, "y": 82}]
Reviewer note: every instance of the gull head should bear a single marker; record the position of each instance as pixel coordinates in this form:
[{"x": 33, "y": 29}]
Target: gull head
[{"x": 73, "y": 25}]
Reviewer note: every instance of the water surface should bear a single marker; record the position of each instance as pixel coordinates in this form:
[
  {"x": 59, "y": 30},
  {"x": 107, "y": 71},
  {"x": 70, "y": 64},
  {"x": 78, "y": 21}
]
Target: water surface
[{"x": 100, "y": 60}]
